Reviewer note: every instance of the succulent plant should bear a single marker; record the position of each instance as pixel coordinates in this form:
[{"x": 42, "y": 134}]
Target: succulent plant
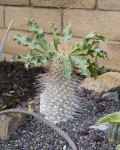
[
  {"x": 118, "y": 147},
  {"x": 114, "y": 129},
  {"x": 59, "y": 101}
]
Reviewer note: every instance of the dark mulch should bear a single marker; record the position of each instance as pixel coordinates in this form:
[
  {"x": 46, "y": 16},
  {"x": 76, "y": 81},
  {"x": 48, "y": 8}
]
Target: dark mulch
[
  {"x": 16, "y": 83},
  {"x": 35, "y": 136}
]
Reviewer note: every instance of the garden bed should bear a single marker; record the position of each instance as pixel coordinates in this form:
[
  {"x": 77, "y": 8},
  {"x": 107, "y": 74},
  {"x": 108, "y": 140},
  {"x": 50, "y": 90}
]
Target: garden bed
[
  {"x": 18, "y": 88},
  {"x": 17, "y": 84}
]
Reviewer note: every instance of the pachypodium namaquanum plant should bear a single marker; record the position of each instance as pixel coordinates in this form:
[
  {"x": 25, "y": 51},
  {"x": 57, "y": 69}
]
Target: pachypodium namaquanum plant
[
  {"x": 114, "y": 129},
  {"x": 59, "y": 101}
]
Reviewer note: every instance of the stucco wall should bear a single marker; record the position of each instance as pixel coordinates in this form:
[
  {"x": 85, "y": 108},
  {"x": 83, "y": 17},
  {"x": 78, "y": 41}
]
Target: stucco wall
[{"x": 102, "y": 16}]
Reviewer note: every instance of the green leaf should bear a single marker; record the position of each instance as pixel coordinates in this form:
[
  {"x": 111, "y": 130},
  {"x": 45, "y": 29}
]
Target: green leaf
[
  {"x": 55, "y": 40},
  {"x": 118, "y": 147},
  {"x": 38, "y": 58},
  {"x": 38, "y": 34},
  {"x": 92, "y": 34},
  {"x": 102, "y": 38},
  {"x": 27, "y": 56},
  {"x": 76, "y": 55},
  {"x": 86, "y": 49},
  {"x": 36, "y": 29},
  {"x": 33, "y": 60},
  {"x": 27, "y": 63},
  {"x": 81, "y": 63},
  {"x": 95, "y": 42},
  {"x": 22, "y": 40},
  {"x": 110, "y": 118},
  {"x": 92, "y": 67},
  {"x": 81, "y": 49},
  {"x": 102, "y": 69},
  {"x": 43, "y": 60},
  {"x": 66, "y": 34},
  {"x": 26, "y": 41},
  {"x": 67, "y": 66},
  {"x": 41, "y": 43},
  {"x": 75, "y": 48},
  {"x": 89, "y": 36},
  {"x": 54, "y": 57},
  {"x": 99, "y": 52},
  {"x": 14, "y": 58}
]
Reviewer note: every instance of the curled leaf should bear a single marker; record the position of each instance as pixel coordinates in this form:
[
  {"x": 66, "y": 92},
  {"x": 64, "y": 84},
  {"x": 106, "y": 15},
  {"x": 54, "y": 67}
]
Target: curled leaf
[
  {"x": 55, "y": 40},
  {"x": 66, "y": 34},
  {"x": 67, "y": 66},
  {"x": 110, "y": 118}
]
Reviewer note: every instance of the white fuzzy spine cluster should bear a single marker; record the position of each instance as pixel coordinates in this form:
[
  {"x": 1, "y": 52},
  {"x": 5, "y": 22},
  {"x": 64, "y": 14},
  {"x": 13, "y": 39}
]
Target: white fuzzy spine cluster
[{"x": 58, "y": 101}]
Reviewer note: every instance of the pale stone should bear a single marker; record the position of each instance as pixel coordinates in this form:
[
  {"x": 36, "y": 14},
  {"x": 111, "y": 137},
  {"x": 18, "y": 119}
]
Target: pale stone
[
  {"x": 109, "y": 4},
  {"x": 42, "y": 16},
  {"x": 101, "y": 127},
  {"x": 111, "y": 95},
  {"x": 1, "y": 17},
  {"x": 103, "y": 82},
  {"x": 65, "y": 3},
  {"x": 84, "y": 21},
  {"x": 14, "y": 2},
  {"x": 9, "y": 123}
]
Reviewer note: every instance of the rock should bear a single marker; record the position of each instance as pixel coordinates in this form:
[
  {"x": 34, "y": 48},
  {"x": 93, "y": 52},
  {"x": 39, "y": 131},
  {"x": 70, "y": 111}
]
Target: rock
[
  {"x": 103, "y": 82},
  {"x": 64, "y": 148},
  {"x": 96, "y": 138},
  {"x": 15, "y": 136},
  {"x": 10, "y": 123},
  {"x": 111, "y": 96},
  {"x": 83, "y": 132},
  {"x": 98, "y": 98},
  {"x": 101, "y": 107},
  {"x": 89, "y": 96},
  {"x": 101, "y": 127},
  {"x": 84, "y": 143}
]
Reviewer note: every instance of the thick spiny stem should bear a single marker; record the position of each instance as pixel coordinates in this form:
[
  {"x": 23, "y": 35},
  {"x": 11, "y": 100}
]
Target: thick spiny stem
[{"x": 58, "y": 101}]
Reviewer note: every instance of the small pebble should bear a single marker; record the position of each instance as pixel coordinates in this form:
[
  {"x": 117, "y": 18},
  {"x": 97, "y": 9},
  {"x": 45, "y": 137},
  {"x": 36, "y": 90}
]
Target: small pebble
[
  {"x": 96, "y": 138},
  {"x": 83, "y": 132},
  {"x": 101, "y": 107}
]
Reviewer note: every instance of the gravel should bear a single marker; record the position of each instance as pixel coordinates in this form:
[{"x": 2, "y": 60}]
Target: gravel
[
  {"x": 37, "y": 136},
  {"x": 34, "y": 136},
  {"x": 91, "y": 110}
]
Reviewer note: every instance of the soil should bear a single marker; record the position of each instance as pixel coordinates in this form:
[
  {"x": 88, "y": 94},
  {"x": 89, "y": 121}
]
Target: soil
[
  {"x": 17, "y": 84},
  {"x": 18, "y": 87}
]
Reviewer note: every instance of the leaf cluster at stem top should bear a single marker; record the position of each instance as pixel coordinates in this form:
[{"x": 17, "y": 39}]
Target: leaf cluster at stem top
[{"x": 58, "y": 50}]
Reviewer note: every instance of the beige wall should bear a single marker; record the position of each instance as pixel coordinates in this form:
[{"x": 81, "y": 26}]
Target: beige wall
[{"x": 85, "y": 15}]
